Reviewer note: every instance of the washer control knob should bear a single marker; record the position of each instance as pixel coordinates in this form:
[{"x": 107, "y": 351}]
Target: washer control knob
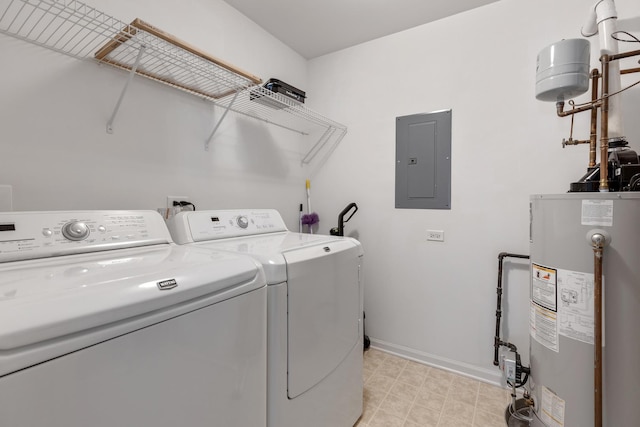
[
  {"x": 242, "y": 221},
  {"x": 75, "y": 230}
]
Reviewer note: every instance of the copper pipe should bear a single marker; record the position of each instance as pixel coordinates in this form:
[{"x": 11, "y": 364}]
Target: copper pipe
[
  {"x": 624, "y": 55},
  {"x": 598, "y": 242},
  {"x": 572, "y": 141},
  {"x": 630, "y": 71},
  {"x": 604, "y": 126},
  {"x": 562, "y": 113},
  {"x": 604, "y": 120},
  {"x": 593, "y": 136}
]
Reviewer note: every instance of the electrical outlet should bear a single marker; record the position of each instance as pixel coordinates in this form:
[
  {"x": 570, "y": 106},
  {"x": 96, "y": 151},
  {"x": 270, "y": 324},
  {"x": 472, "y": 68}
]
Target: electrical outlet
[
  {"x": 435, "y": 235},
  {"x": 171, "y": 199}
]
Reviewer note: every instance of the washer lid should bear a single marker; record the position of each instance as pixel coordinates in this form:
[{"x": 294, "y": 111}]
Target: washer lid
[{"x": 49, "y": 298}]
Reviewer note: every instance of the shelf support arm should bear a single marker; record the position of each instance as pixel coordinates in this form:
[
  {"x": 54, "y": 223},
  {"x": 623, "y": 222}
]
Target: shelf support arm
[
  {"x": 318, "y": 145},
  {"x": 132, "y": 72},
  {"x": 215, "y": 129}
]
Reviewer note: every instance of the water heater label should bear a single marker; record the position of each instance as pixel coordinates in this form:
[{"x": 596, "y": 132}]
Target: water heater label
[
  {"x": 551, "y": 409},
  {"x": 543, "y": 317},
  {"x": 575, "y": 310},
  {"x": 543, "y": 326},
  {"x": 544, "y": 286},
  {"x": 597, "y": 212}
]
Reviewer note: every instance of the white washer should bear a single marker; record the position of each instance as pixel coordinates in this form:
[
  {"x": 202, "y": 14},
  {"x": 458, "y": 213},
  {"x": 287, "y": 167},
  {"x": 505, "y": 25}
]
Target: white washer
[
  {"x": 315, "y": 335},
  {"x": 105, "y": 322}
]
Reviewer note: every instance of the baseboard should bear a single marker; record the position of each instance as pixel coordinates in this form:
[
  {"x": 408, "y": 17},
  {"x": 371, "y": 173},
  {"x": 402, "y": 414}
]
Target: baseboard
[{"x": 490, "y": 376}]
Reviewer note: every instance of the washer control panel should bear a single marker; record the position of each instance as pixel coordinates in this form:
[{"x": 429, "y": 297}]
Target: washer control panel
[
  {"x": 199, "y": 226},
  {"x": 26, "y": 235},
  {"x": 242, "y": 221},
  {"x": 76, "y": 230}
]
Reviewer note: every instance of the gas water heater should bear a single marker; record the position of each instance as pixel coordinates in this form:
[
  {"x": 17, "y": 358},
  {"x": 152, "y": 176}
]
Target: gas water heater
[
  {"x": 584, "y": 256},
  {"x": 564, "y": 234}
]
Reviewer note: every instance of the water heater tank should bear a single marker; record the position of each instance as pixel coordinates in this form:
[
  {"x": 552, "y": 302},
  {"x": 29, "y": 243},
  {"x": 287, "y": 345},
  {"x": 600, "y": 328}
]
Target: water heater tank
[
  {"x": 562, "y": 308},
  {"x": 562, "y": 70}
]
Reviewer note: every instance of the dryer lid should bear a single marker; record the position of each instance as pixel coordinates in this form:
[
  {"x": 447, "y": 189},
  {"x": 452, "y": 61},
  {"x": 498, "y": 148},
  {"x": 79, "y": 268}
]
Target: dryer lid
[
  {"x": 260, "y": 233},
  {"x": 269, "y": 249},
  {"x": 53, "y": 297}
]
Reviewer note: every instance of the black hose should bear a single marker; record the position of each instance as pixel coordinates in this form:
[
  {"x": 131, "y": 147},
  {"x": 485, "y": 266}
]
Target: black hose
[{"x": 497, "y": 342}]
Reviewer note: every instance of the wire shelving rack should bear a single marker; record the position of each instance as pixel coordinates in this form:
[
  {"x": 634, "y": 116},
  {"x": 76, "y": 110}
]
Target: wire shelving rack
[{"x": 78, "y": 30}]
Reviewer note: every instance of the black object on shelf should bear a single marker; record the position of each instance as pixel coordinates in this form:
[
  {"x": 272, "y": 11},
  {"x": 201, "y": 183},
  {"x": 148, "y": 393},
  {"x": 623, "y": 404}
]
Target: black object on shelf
[{"x": 275, "y": 85}]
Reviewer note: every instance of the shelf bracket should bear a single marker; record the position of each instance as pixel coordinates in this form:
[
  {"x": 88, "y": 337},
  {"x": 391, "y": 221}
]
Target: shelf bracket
[
  {"x": 318, "y": 145},
  {"x": 132, "y": 72},
  {"x": 226, "y": 110}
]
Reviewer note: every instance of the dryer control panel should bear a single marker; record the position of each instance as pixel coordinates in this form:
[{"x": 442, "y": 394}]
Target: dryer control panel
[
  {"x": 200, "y": 226},
  {"x": 28, "y": 235}
]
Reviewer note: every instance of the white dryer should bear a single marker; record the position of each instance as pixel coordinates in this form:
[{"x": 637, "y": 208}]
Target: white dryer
[
  {"x": 105, "y": 322},
  {"x": 315, "y": 328}
]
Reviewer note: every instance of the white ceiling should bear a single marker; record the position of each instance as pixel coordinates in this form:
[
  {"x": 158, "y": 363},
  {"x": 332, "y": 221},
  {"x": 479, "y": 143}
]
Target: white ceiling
[{"x": 316, "y": 27}]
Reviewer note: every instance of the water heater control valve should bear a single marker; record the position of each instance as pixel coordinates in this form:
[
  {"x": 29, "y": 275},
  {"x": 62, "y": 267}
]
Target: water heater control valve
[{"x": 511, "y": 367}]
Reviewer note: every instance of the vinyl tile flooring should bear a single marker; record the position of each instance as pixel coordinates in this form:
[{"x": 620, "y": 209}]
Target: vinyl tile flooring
[{"x": 404, "y": 393}]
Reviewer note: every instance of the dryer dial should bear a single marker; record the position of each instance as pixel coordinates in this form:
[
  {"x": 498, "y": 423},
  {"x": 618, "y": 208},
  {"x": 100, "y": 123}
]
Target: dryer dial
[{"x": 75, "y": 230}]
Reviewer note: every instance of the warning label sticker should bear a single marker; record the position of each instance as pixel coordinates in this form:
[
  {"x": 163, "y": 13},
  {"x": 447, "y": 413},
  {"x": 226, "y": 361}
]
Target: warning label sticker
[
  {"x": 597, "y": 212},
  {"x": 551, "y": 409},
  {"x": 543, "y": 326},
  {"x": 561, "y": 304},
  {"x": 544, "y": 286}
]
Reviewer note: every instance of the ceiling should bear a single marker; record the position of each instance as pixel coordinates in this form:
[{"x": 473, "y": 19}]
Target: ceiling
[{"x": 317, "y": 27}]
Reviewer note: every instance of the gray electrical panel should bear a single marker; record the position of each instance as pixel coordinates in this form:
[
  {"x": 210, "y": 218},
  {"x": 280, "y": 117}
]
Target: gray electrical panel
[{"x": 423, "y": 161}]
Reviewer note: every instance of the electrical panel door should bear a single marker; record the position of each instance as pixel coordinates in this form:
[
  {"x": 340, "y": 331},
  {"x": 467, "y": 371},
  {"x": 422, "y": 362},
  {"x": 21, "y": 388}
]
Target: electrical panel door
[{"x": 423, "y": 161}]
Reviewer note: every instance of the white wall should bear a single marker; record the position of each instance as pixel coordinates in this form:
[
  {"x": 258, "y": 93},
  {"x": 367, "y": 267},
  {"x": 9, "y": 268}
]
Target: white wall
[
  {"x": 55, "y": 152},
  {"x": 436, "y": 301}
]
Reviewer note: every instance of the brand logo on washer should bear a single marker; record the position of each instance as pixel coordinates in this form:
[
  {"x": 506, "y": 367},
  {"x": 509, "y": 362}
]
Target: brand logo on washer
[{"x": 167, "y": 284}]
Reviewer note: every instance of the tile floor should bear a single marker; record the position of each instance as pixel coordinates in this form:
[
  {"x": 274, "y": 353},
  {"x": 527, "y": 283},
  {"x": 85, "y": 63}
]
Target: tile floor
[{"x": 403, "y": 393}]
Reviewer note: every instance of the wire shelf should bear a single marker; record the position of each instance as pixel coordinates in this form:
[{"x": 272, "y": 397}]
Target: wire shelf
[
  {"x": 263, "y": 104},
  {"x": 81, "y": 31},
  {"x": 274, "y": 108},
  {"x": 78, "y": 30}
]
